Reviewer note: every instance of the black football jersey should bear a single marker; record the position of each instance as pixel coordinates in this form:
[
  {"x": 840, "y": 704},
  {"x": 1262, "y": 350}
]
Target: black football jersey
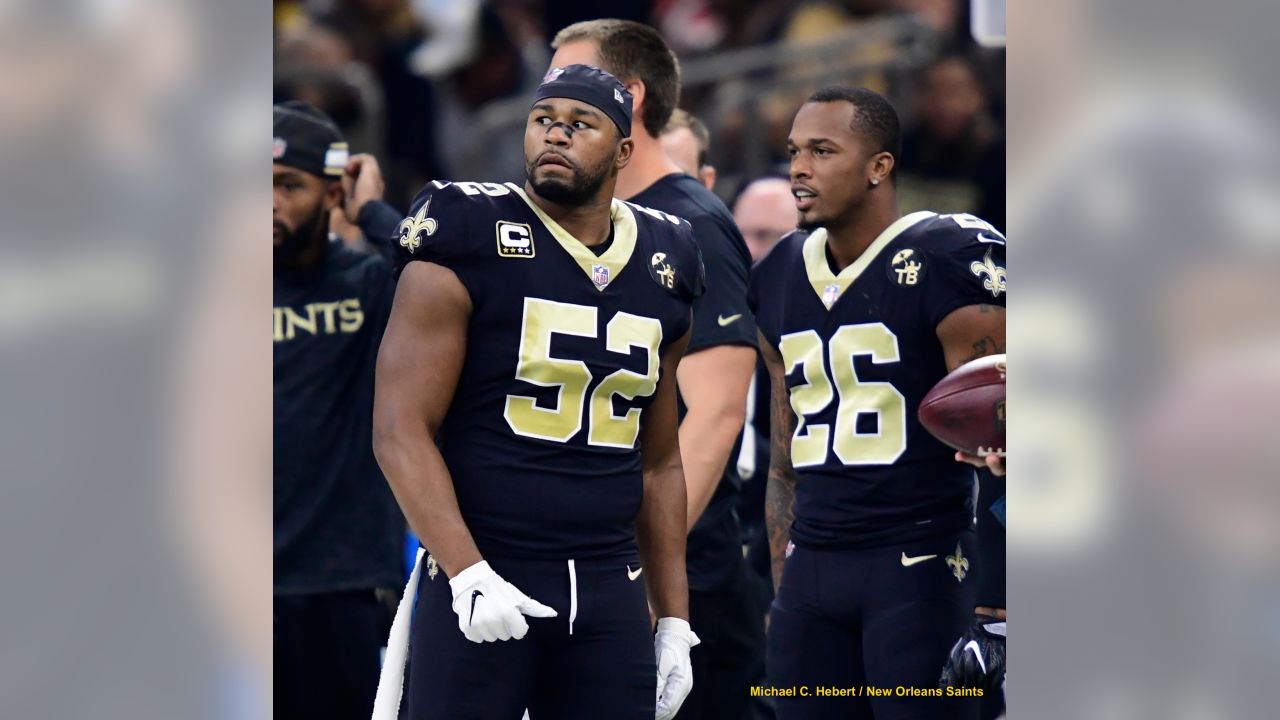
[
  {"x": 563, "y": 353},
  {"x": 720, "y": 317},
  {"x": 860, "y": 351}
]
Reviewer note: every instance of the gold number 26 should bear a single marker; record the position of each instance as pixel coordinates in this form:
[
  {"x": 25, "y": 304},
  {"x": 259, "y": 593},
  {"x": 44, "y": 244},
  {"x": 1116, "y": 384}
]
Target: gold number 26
[{"x": 810, "y": 442}]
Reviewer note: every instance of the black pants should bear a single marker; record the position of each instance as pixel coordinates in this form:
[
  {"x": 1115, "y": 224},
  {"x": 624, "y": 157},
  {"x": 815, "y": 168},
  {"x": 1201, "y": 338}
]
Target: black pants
[
  {"x": 328, "y": 651},
  {"x": 882, "y": 617},
  {"x": 603, "y": 670},
  {"x": 730, "y": 658}
]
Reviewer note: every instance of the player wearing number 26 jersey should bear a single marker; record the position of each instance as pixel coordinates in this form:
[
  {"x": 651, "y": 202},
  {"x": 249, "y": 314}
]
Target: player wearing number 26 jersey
[
  {"x": 861, "y": 351},
  {"x": 525, "y": 416},
  {"x": 861, "y": 312}
]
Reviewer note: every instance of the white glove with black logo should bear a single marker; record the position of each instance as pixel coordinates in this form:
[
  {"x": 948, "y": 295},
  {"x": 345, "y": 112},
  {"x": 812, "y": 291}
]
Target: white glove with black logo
[
  {"x": 490, "y": 608},
  {"x": 675, "y": 671}
]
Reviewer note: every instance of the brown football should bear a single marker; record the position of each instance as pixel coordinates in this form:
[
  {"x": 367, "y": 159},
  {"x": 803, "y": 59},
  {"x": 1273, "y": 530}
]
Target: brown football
[{"x": 965, "y": 409}]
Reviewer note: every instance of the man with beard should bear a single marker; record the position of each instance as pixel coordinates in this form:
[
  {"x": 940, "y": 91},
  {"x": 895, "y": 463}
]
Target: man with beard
[
  {"x": 338, "y": 532},
  {"x": 525, "y": 415},
  {"x": 861, "y": 312},
  {"x": 712, "y": 378}
]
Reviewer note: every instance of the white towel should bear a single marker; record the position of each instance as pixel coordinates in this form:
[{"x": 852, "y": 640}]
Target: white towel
[
  {"x": 386, "y": 705},
  {"x": 747, "y": 451}
]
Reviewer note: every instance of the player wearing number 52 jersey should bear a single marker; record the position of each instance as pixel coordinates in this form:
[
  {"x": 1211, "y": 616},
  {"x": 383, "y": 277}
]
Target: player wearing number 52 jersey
[
  {"x": 860, "y": 313},
  {"x": 526, "y": 416}
]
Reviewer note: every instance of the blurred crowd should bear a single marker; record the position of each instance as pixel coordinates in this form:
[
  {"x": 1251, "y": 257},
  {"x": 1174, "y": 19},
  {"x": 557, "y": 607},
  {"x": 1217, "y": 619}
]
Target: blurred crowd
[{"x": 427, "y": 86}]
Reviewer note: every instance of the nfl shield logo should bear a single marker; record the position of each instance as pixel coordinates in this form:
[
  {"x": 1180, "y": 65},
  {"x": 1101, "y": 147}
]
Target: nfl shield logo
[
  {"x": 552, "y": 74},
  {"x": 600, "y": 275},
  {"x": 278, "y": 146},
  {"x": 829, "y": 295}
]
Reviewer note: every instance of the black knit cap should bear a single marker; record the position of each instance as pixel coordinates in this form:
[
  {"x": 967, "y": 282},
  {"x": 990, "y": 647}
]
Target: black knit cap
[
  {"x": 592, "y": 86},
  {"x": 307, "y": 139}
]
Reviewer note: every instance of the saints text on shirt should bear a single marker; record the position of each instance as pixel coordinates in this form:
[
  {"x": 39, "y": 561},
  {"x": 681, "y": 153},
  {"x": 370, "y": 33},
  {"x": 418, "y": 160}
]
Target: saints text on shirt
[{"x": 318, "y": 318}]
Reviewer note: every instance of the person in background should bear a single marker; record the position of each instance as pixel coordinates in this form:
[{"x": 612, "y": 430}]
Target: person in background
[
  {"x": 687, "y": 142},
  {"x": 713, "y": 375},
  {"x": 384, "y": 36},
  {"x": 953, "y": 158},
  {"x": 764, "y": 211},
  {"x": 336, "y": 525}
]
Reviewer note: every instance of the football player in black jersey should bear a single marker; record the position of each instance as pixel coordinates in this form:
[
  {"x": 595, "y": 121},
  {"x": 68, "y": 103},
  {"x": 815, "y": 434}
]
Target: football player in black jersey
[
  {"x": 860, "y": 313},
  {"x": 713, "y": 376},
  {"x": 525, "y": 416}
]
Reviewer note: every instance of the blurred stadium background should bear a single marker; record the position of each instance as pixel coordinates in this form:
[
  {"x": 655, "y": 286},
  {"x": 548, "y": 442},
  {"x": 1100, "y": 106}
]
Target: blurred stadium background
[{"x": 440, "y": 88}]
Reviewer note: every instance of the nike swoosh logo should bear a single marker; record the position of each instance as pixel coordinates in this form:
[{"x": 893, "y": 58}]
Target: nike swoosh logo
[
  {"x": 985, "y": 239},
  {"x": 727, "y": 321},
  {"x": 475, "y": 594},
  {"x": 973, "y": 645},
  {"x": 909, "y": 561},
  {"x": 633, "y": 574}
]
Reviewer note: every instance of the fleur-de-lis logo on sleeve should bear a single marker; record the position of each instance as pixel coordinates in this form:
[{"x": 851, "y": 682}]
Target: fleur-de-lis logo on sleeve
[
  {"x": 411, "y": 228},
  {"x": 959, "y": 564},
  {"x": 993, "y": 276}
]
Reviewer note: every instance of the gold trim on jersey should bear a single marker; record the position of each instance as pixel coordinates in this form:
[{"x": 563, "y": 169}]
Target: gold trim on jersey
[
  {"x": 830, "y": 286},
  {"x": 615, "y": 258}
]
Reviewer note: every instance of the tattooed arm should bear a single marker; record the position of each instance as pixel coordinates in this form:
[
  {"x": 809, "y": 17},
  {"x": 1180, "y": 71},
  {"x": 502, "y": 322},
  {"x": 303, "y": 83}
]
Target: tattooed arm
[
  {"x": 780, "y": 491},
  {"x": 971, "y": 332}
]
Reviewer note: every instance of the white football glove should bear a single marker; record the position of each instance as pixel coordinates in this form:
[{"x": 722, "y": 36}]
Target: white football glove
[
  {"x": 490, "y": 608},
  {"x": 675, "y": 672}
]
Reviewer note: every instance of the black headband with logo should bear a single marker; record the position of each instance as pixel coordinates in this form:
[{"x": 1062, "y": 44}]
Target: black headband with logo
[{"x": 592, "y": 86}]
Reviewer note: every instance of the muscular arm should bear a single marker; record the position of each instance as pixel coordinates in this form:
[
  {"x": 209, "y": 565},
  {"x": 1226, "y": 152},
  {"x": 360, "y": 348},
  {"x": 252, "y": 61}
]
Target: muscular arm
[
  {"x": 713, "y": 383},
  {"x": 780, "y": 490},
  {"x": 660, "y": 526},
  {"x": 971, "y": 332},
  {"x": 418, "y": 367}
]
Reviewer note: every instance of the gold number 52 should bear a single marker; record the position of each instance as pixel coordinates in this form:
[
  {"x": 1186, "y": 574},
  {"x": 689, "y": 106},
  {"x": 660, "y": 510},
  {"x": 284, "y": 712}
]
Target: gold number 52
[{"x": 544, "y": 318}]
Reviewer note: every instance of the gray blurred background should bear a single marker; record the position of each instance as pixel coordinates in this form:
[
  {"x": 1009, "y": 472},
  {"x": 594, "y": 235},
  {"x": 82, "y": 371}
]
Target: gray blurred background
[{"x": 1144, "y": 532}]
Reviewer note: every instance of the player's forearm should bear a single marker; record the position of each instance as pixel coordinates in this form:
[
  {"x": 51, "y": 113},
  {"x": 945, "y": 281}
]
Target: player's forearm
[
  {"x": 779, "y": 511},
  {"x": 780, "y": 489},
  {"x": 706, "y": 441},
  {"x": 660, "y": 533},
  {"x": 423, "y": 487}
]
